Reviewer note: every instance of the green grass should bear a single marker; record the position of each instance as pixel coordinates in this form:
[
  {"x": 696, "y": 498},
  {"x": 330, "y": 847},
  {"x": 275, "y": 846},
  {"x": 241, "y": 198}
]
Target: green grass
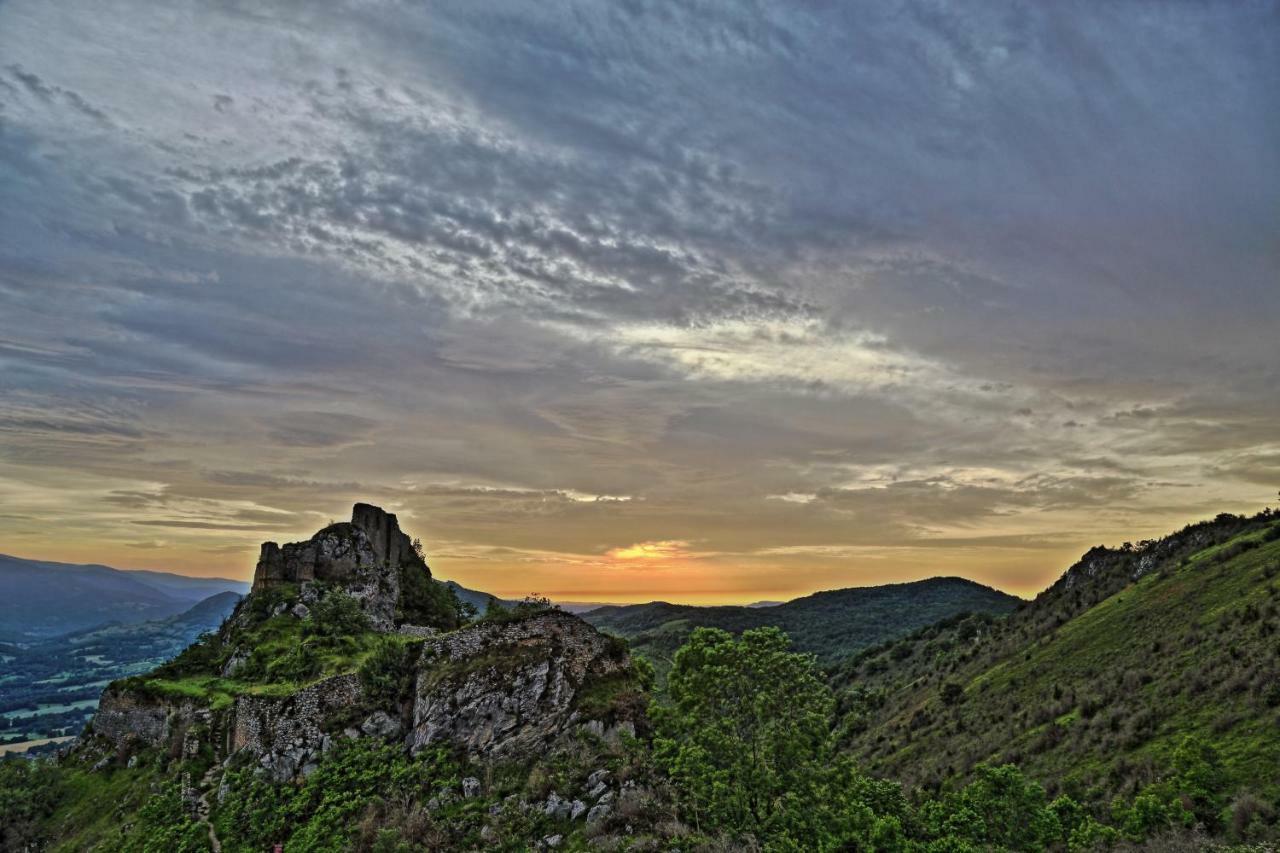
[{"x": 1101, "y": 700}]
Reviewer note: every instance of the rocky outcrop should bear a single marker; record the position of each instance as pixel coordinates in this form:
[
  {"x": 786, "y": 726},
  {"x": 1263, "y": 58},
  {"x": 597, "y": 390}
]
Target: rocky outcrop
[
  {"x": 366, "y": 556},
  {"x": 372, "y": 538},
  {"x": 504, "y": 689},
  {"x": 498, "y": 688}
]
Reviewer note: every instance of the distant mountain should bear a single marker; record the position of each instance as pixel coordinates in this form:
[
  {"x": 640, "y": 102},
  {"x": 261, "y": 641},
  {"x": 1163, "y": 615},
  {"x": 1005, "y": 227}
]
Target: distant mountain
[
  {"x": 1096, "y": 683},
  {"x": 831, "y": 624},
  {"x": 40, "y": 599},
  {"x": 187, "y": 588},
  {"x": 480, "y": 600},
  {"x": 765, "y": 603}
]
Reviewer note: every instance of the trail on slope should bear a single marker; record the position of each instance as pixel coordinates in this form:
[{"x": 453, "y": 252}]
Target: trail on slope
[{"x": 203, "y": 808}]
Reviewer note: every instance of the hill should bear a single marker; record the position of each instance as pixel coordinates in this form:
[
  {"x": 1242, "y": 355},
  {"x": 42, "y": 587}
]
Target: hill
[
  {"x": 832, "y": 624},
  {"x": 350, "y": 672},
  {"x": 1095, "y": 685},
  {"x": 352, "y": 703},
  {"x": 41, "y": 599}
]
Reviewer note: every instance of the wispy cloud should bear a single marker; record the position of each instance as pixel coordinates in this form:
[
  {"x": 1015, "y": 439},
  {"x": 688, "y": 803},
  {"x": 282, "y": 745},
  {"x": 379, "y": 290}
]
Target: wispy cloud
[{"x": 817, "y": 289}]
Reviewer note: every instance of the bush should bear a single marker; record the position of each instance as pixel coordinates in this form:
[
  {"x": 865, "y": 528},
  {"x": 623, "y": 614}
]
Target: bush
[
  {"x": 387, "y": 673},
  {"x": 337, "y": 615}
]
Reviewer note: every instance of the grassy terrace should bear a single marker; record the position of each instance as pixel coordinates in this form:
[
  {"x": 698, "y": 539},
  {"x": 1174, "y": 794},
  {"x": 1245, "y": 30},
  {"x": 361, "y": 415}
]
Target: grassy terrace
[{"x": 277, "y": 654}]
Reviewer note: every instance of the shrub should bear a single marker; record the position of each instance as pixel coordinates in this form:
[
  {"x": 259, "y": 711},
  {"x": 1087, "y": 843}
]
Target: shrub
[
  {"x": 387, "y": 672},
  {"x": 337, "y": 614}
]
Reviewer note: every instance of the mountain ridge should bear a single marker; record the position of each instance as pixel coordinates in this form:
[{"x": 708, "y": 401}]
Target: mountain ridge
[
  {"x": 90, "y": 594},
  {"x": 829, "y": 623}
]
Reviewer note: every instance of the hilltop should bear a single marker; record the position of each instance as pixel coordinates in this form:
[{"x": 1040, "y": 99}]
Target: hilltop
[{"x": 348, "y": 652}]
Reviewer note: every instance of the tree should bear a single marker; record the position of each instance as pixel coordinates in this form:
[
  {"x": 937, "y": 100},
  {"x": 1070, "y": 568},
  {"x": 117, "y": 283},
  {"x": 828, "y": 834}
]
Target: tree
[{"x": 747, "y": 734}]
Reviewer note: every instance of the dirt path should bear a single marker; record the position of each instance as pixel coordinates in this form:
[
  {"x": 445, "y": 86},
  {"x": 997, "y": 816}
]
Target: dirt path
[{"x": 203, "y": 808}]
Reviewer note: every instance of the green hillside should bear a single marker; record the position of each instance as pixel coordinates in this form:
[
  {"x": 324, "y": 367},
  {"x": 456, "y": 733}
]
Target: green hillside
[
  {"x": 1092, "y": 687},
  {"x": 832, "y": 624}
]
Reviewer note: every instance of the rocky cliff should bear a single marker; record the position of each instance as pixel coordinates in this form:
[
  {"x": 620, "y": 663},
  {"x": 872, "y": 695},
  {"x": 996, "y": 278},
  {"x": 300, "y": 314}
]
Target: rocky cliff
[
  {"x": 369, "y": 557},
  {"x": 502, "y": 689},
  {"x": 278, "y": 685}
]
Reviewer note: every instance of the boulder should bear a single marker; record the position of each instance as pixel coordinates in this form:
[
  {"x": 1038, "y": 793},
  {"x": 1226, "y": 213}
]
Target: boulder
[
  {"x": 382, "y": 725},
  {"x": 557, "y": 808}
]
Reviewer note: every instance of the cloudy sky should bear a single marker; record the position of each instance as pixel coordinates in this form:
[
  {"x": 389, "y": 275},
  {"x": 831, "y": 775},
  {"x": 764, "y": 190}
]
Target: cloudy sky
[{"x": 706, "y": 301}]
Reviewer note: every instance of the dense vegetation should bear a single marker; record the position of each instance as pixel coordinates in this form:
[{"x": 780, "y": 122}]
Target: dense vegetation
[
  {"x": 743, "y": 758},
  {"x": 1131, "y": 706}
]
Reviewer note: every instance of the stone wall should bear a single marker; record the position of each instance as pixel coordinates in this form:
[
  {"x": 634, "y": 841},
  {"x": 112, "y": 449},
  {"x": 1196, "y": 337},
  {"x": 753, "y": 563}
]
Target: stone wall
[
  {"x": 287, "y": 734},
  {"x": 124, "y": 717},
  {"x": 382, "y": 528},
  {"x": 263, "y": 724}
]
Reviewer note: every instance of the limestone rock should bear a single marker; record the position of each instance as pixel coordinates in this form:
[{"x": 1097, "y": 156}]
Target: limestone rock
[
  {"x": 507, "y": 689},
  {"x": 557, "y": 808},
  {"x": 125, "y": 717},
  {"x": 380, "y": 724},
  {"x": 471, "y": 787},
  {"x": 288, "y": 733}
]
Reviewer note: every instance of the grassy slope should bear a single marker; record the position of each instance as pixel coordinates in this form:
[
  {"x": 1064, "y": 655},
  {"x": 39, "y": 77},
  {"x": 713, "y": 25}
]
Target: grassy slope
[{"x": 1101, "y": 701}]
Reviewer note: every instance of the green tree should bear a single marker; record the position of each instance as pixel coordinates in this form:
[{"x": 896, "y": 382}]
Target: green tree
[
  {"x": 999, "y": 809},
  {"x": 747, "y": 733}
]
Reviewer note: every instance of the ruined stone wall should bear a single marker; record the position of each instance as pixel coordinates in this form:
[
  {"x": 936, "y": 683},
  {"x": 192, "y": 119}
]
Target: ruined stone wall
[
  {"x": 263, "y": 724},
  {"x": 125, "y": 717},
  {"x": 382, "y": 528}
]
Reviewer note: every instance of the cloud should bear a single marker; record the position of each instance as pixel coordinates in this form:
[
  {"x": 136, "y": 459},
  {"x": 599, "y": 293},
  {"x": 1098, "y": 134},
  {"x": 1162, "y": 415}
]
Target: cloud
[
  {"x": 667, "y": 549},
  {"x": 809, "y": 286}
]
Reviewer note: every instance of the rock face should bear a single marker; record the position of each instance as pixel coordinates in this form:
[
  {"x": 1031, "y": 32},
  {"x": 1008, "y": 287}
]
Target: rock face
[
  {"x": 372, "y": 538},
  {"x": 502, "y": 689},
  {"x": 499, "y": 688},
  {"x": 367, "y": 556}
]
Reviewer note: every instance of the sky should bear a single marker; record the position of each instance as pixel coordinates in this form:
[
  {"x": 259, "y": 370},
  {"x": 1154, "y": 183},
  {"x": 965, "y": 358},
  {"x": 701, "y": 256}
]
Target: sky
[{"x": 704, "y": 301}]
